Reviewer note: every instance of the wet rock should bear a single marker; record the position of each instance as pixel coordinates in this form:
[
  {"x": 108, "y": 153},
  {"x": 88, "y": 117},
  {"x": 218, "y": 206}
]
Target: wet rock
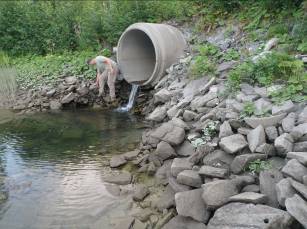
[
  {"x": 55, "y": 105},
  {"x": 165, "y": 151},
  {"x": 286, "y": 107},
  {"x": 300, "y": 156},
  {"x": 190, "y": 204},
  {"x": 162, "y": 96},
  {"x": 299, "y": 131},
  {"x": 210, "y": 171},
  {"x": 117, "y": 161},
  {"x": 131, "y": 155},
  {"x": 255, "y": 138},
  {"x": 249, "y": 197},
  {"x": 264, "y": 121},
  {"x": 284, "y": 190},
  {"x": 189, "y": 115},
  {"x": 217, "y": 193},
  {"x": 297, "y": 207},
  {"x": 268, "y": 180},
  {"x": 120, "y": 179},
  {"x": 158, "y": 114},
  {"x": 233, "y": 143},
  {"x": 225, "y": 130},
  {"x": 185, "y": 149},
  {"x": 288, "y": 123},
  {"x": 190, "y": 178},
  {"x": 68, "y": 98},
  {"x": 242, "y": 216},
  {"x": 242, "y": 161},
  {"x": 218, "y": 158},
  {"x": 283, "y": 144},
  {"x": 180, "y": 222},
  {"x": 300, "y": 188},
  {"x": 71, "y": 80},
  {"x": 166, "y": 200},
  {"x": 170, "y": 133},
  {"x": 271, "y": 132},
  {"x": 180, "y": 164},
  {"x": 176, "y": 186},
  {"x": 140, "y": 192},
  {"x": 295, "y": 170}
]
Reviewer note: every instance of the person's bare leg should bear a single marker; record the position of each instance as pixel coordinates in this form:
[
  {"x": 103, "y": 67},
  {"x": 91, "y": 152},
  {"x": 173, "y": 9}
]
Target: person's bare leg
[
  {"x": 111, "y": 83},
  {"x": 101, "y": 82}
]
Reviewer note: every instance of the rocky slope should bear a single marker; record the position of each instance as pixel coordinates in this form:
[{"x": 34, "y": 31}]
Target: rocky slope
[{"x": 217, "y": 169}]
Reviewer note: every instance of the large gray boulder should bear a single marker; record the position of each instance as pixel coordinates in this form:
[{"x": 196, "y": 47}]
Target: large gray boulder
[
  {"x": 180, "y": 222},
  {"x": 140, "y": 192},
  {"x": 217, "y": 193},
  {"x": 117, "y": 160},
  {"x": 286, "y": 107},
  {"x": 68, "y": 98},
  {"x": 271, "y": 133},
  {"x": 302, "y": 117},
  {"x": 300, "y": 156},
  {"x": 55, "y": 105},
  {"x": 283, "y": 144},
  {"x": 241, "y": 162},
  {"x": 190, "y": 178},
  {"x": 300, "y": 188},
  {"x": 299, "y": 131},
  {"x": 190, "y": 204},
  {"x": 225, "y": 130},
  {"x": 189, "y": 115},
  {"x": 165, "y": 151},
  {"x": 249, "y": 216},
  {"x": 268, "y": 180},
  {"x": 180, "y": 164},
  {"x": 249, "y": 197},
  {"x": 297, "y": 207},
  {"x": 70, "y": 80},
  {"x": 288, "y": 122},
  {"x": 170, "y": 133},
  {"x": 185, "y": 149},
  {"x": 162, "y": 96},
  {"x": 295, "y": 170},
  {"x": 166, "y": 200},
  {"x": 284, "y": 190},
  {"x": 255, "y": 138},
  {"x": 262, "y": 106},
  {"x": 177, "y": 187},
  {"x": 158, "y": 114},
  {"x": 264, "y": 121},
  {"x": 233, "y": 143},
  {"x": 120, "y": 179},
  {"x": 300, "y": 146},
  {"x": 201, "y": 101},
  {"x": 218, "y": 158},
  {"x": 210, "y": 171}
]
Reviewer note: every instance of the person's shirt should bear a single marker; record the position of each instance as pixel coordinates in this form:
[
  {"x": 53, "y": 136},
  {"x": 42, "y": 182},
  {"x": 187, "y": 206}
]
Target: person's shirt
[{"x": 102, "y": 63}]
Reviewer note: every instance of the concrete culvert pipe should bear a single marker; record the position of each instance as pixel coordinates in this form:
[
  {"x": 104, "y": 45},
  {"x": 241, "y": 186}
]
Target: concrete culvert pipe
[{"x": 146, "y": 50}]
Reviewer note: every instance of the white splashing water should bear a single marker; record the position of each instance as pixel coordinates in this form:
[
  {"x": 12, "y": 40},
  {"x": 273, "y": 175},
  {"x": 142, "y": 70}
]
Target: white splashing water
[
  {"x": 132, "y": 96},
  {"x": 8, "y": 85}
]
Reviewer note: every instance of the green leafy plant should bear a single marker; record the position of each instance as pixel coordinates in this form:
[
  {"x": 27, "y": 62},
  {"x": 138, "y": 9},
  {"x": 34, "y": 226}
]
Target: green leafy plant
[
  {"x": 258, "y": 165},
  {"x": 231, "y": 54},
  {"x": 248, "y": 110},
  {"x": 208, "y": 133}
]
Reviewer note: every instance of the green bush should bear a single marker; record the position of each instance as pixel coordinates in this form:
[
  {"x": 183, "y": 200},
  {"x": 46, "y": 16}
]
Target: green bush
[{"x": 258, "y": 165}]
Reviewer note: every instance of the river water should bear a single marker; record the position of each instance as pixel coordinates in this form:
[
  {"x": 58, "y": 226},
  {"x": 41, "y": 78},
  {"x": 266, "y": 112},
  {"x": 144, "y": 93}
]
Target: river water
[{"x": 52, "y": 166}]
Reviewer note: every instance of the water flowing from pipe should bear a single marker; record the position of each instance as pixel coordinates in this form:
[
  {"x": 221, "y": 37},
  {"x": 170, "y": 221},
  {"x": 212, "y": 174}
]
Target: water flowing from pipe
[{"x": 132, "y": 96}]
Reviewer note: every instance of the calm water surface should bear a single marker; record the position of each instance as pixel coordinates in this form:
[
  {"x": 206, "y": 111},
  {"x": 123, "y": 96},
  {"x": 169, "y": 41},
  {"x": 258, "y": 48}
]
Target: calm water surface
[{"x": 52, "y": 166}]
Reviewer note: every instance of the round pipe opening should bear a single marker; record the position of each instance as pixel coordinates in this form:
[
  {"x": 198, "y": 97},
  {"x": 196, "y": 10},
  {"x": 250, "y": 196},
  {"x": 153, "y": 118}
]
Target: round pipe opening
[{"x": 137, "y": 56}]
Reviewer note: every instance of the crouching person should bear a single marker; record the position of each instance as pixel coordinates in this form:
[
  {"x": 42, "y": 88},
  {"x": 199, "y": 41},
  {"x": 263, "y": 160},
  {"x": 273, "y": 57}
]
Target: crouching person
[{"x": 107, "y": 72}]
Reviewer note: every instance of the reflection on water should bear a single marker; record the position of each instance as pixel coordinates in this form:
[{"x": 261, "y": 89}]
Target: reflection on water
[{"x": 53, "y": 164}]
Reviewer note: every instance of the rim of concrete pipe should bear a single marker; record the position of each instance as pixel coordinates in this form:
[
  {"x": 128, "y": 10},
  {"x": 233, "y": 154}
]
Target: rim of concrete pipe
[{"x": 139, "y": 54}]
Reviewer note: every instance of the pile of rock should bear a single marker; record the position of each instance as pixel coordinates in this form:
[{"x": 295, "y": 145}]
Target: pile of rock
[
  {"x": 211, "y": 184},
  {"x": 68, "y": 92}
]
